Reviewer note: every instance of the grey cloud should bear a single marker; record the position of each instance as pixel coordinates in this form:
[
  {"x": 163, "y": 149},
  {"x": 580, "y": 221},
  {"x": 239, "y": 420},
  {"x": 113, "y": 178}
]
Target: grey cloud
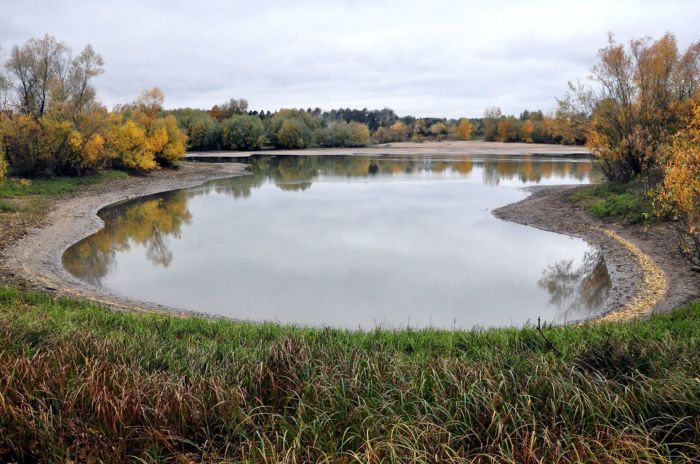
[{"x": 442, "y": 57}]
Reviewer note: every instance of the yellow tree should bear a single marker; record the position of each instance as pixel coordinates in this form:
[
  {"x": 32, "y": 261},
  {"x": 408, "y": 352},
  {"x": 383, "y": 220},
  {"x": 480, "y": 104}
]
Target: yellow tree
[
  {"x": 399, "y": 132},
  {"x": 680, "y": 191},
  {"x": 130, "y": 147},
  {"x": 464, "y": 129},
  {"x": 163, "y": 136}
]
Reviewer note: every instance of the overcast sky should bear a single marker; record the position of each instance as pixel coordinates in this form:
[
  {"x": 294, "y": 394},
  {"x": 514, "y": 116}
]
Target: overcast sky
[{"x": 425, "y": 58}]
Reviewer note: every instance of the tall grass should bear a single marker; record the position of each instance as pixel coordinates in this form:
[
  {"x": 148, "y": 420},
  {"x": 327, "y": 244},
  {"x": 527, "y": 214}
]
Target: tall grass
[{"x": 82, "y": 383}]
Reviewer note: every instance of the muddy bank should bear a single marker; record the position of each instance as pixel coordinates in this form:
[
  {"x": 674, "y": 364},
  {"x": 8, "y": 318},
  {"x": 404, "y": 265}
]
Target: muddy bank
[
  {"x": 34, "y": 258},
  {"x": 637, "y": 256}
]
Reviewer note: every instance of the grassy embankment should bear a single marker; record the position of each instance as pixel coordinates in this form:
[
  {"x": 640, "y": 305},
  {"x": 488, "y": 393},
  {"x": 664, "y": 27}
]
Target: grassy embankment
[
  {"x": 13, "y": 189},
  {"x": 81, "y": 382},
  {"x": 24, "y": 202},
  {"x": 630, "y": 201}
]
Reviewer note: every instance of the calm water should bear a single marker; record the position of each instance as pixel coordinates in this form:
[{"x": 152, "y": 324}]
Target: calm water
[{"x": 352, "y": 242}]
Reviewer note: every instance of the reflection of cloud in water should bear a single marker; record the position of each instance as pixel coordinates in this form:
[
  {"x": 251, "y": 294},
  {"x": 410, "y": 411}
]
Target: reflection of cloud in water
[
  {"x": 149, "y": 221},
  {"x": 577, "y": 291}
]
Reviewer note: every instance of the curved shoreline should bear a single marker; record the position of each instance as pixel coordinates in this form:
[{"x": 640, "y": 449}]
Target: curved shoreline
[
  {"x": 648, "y": 276},
  {"x": 36, "y": 259}
]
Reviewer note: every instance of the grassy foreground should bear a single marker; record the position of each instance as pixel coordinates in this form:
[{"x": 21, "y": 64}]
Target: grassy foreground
[{"x": 82, "y": 383}]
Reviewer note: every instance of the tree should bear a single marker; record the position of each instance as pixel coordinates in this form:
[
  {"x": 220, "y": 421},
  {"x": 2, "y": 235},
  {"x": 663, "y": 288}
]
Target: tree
[
  {"x": 149, "y": 105},
  {"x": 637, "y": 103},
  {"x": 243, "y": 132},
  {"x": 464, "y": 129},
  {"x": 303, "y": 126},
  {"x": 508, "y": 129},
  {"x": 527, "y": 128},
  {"x": 438, "y": 129},
  {"x": 5, "y": 89},
  {"x": 176, "y": 142},
  {"x": 679, "y": 194},
  {"x": 164, "y": 139},
  {"x": 490, "y": 123},
  {"x": 228, "y": 109},
  {"x": 84, "y": 68},
  {"x": 22, "y": 143},
  {"x": 129, "y": 146},
  {"x": 293, "y": 134},
  {"x": 399, "y": 132},
  {"x": 36, "y": 68}
]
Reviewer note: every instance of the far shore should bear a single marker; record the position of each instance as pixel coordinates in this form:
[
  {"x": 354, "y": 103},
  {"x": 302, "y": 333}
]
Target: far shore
[{"x": 447, "y": 148}]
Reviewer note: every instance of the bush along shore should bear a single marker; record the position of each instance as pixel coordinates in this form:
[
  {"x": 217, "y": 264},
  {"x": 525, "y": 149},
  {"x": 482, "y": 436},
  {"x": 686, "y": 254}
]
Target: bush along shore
[{"x": 82, "y": 383}]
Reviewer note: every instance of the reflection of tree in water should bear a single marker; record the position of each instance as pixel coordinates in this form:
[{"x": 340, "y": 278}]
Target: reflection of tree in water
[
  {"x": 146, "y": 222},
  {"x": 577, "y": 291},
  {"x": 298, "y": 172},
  {"x": 531, "y": 169}
]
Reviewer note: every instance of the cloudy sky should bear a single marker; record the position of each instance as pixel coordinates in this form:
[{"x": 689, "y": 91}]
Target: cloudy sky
[{"x": 426, "y": 58}]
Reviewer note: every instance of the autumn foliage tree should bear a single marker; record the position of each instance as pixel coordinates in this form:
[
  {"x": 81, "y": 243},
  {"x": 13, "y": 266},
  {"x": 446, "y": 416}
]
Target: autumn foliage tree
[
  {"x": 463, "y": 131},
  {"x": 637, "y": 102},
  {"x": 679, "y": 193},
  {"x": 53, "y": 123}
]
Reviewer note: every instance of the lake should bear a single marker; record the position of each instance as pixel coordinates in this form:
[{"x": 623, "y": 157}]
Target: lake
[{"x": 354, "y": 242}]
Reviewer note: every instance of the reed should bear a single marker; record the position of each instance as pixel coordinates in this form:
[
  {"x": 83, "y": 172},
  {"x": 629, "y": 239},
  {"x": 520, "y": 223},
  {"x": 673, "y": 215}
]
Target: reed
[{"x": 85, "y": 384}]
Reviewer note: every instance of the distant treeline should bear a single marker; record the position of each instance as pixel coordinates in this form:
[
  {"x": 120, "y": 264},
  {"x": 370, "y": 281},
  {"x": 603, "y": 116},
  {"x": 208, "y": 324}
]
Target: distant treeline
[
  {"x": 52, "y": 122},
  {"x": 232, "y": 126}
]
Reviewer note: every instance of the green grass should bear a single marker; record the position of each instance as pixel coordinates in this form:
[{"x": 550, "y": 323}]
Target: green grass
[
  {"x": 83, "y": 383},
  {"x": 7, "y": 207},
  {"x": 628, "y": 202},
  {"x": 15, "y": 187}
]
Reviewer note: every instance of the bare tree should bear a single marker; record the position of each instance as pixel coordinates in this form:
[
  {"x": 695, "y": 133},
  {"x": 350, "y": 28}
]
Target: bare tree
[
  {"x": 83, "y": 69},
  {"x": 36, "y": 68}
]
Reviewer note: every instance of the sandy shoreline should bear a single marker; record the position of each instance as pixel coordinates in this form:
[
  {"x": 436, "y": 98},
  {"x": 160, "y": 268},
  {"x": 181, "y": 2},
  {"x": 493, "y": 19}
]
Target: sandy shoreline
[{"x": 36, "y": 259}]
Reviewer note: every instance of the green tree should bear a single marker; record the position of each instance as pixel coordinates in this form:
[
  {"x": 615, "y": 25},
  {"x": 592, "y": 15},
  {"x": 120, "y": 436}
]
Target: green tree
[
  {"x": 243, "y": 132},
  {"x": 293, "y": 133}
]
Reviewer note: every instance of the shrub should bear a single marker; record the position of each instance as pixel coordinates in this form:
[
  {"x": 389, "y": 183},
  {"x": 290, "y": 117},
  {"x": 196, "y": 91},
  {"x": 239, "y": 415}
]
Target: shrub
[
  {"x": 128, "y": 145},
  {"x": 680, "y": 191},
  {"x": 294, "y": 134},
  {"x": 175, "y": 141},
  {"x": 23, "y": 147}
]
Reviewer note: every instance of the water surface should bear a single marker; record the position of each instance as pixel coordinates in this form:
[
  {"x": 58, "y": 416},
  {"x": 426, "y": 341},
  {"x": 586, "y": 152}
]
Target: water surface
[{"x": 352, "y": 241}]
